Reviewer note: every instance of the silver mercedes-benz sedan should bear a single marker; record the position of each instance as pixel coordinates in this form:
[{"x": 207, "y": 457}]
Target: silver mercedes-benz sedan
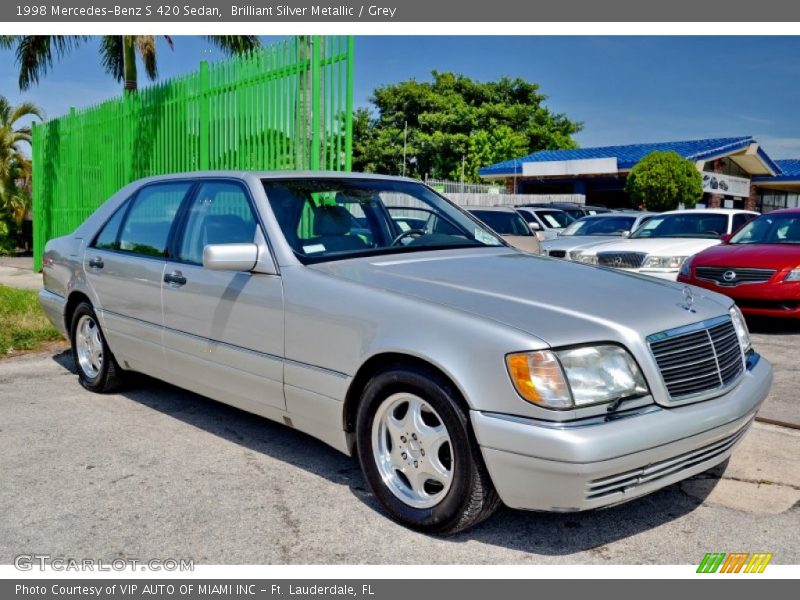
[{"x": 460, "y": 371}]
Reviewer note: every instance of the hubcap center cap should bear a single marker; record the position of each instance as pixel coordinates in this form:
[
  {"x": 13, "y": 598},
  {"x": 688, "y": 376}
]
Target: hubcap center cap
[{"x": 414, "y": 449}]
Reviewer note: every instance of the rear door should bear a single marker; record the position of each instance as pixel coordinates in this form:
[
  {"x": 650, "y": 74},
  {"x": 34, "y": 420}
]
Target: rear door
[
  {"x": 223, "y": 330},
  {"x": 125, "y": 264}
]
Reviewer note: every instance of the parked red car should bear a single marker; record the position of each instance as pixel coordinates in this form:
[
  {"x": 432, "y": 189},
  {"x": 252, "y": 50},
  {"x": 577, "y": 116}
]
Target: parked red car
[{"x": 758, "y": 266}]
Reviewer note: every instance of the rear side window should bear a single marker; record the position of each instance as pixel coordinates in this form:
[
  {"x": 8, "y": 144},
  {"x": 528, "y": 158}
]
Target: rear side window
[
  {"x": 107, "y": 238},
  {"x": 147, "y": 225},
  {"x": 220, "y": 213}
]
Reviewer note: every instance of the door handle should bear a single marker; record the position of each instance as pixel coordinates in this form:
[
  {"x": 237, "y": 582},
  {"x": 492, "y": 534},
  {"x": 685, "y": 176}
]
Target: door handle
[
  {"x": 96, "y": 263},
  {"x": 175, "y": 278}
]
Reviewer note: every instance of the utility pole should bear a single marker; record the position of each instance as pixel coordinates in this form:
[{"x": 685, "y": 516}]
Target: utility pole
[{"x": 463, "y": 160}]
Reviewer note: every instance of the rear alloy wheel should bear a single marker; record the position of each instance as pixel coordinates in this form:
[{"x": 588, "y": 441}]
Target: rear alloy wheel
[
  {"x": 98, "y": 371},
  {"x": 418, "y": 453}
]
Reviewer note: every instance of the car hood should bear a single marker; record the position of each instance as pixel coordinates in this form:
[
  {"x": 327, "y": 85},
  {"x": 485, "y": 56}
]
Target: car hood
[
  {"x": 556, "y": 301},
  {"x": 658, "y": 246},
  {"x": 573, "y": 242},
  {"x": 763, "y": 256}
]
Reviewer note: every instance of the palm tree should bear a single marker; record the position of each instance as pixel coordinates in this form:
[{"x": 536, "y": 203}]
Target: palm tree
[
  {"x": 36, "y": 54},
  {"x": 15, "y": 166}
]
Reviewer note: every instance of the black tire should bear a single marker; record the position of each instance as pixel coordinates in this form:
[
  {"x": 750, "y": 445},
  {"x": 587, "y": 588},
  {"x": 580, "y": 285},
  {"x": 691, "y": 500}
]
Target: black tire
[
  {"x": 110, "y": 375},
  {"x": 471, "y": 497}
]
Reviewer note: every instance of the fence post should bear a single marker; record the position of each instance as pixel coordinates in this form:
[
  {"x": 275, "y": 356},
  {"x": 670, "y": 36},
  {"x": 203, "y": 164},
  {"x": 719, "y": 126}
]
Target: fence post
[
  {"x": 205, "y": 125},
  {"x": 39, "y": 236},
  {"x": 316, "y": 72},
  {"x": 348, "y": 107}
]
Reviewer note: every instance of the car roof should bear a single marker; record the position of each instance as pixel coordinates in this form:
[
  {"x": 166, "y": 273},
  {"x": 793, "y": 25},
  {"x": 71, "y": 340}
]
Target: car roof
[
  {"x": 785, "y": 211},
  {"x": 523, "y": 207},
  {"x": 490, "y": 208},
  {"x": 241, "y": 174},
  {"x": 714, "y": 211},
  {"x": 620, "y": 213}
]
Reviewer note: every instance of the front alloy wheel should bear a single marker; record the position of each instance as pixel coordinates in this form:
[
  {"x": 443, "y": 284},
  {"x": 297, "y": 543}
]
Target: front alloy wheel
[
  {"x": 412, "y": 450},
  {"x": 418, "y": 453}
]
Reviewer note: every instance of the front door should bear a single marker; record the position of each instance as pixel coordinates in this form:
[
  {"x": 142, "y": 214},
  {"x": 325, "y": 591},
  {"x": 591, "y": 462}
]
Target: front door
[{"x": 223, "y": 330}]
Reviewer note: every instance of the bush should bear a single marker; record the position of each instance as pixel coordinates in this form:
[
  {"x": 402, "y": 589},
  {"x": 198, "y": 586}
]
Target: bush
[
  {"x": 7, "y": 244},
  {"x": 663, "y": 180}
]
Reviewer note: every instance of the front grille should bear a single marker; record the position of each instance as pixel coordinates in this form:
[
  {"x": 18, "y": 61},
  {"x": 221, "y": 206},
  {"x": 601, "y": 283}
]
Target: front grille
[
  {"x": 731, "y": 276},
  {"x": 621, "y": 260},
  {"x": 698, "y": 359},
  {"x": 558, "y": 253},
  {"x": 620, "y": 483}
]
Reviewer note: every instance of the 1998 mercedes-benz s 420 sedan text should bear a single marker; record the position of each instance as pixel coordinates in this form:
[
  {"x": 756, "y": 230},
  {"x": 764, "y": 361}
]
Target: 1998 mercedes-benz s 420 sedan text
[{"x": 460, "y": 371}]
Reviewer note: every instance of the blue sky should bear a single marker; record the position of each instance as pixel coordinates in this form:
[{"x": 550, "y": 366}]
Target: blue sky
[{"x": 624, "y": 89}]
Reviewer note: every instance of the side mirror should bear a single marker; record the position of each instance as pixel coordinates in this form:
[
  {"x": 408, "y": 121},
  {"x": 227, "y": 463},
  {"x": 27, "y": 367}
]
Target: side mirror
[
  {"x": 534, "y": 226},
  {"x": 626, "y": 234},
  {"x": 230, "y": 257},
  {"x": 726, "y": 237}
]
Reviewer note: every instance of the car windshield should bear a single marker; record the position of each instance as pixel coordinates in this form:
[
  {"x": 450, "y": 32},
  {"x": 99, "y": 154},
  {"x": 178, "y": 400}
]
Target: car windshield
[
  {"x": 600, "y": 226},
  {"x": 329, "y": 218},
  {"x": 770, "y": 229},
  {"x": 684, "y": 225},
  {"x": 502, "y": 222},
  {"x": 555, "y": 219}
]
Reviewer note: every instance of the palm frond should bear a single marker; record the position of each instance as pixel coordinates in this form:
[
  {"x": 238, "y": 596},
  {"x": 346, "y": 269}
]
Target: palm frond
[
  {"x": 146, "y": 45},
  {"x": 36, "y": 54},
  {"x": 111, "y": 56},
  {"x": 25, "y": 109},
  {"x": 235, "y": 44}
]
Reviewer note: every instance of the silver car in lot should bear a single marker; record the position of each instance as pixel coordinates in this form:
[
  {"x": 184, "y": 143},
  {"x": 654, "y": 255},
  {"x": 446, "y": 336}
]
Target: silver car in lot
[
  {"x": 460, "y": 371},
  {"x": 591, "y": 231}
]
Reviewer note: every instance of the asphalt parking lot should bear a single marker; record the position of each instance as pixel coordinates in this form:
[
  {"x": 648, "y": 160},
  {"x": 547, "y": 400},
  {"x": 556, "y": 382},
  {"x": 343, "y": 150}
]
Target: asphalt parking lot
[{"x": 156, "y": 472}]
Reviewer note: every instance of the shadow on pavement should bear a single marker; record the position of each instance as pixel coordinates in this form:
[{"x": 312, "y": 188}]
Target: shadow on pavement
[{"x": 540, "y": 533}]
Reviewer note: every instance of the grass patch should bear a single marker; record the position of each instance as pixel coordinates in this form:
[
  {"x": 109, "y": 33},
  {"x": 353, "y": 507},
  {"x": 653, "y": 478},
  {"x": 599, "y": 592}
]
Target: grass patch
[{"x": 23, "y": 325}]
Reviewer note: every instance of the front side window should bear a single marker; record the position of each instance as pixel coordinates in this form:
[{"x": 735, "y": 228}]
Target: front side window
[
  {"x": 148, "y": 222},
  {"x": 219, "y": 213},
  {"x": 329, "y": 218}
]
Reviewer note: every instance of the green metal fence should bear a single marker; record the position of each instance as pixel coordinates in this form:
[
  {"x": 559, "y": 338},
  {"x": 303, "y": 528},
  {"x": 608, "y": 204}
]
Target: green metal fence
[{"x": 286, "y": 106}]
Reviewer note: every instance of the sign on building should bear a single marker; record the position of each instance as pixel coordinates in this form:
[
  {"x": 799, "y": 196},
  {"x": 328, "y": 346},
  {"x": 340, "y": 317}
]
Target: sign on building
[{"x": 725, "y": 185}]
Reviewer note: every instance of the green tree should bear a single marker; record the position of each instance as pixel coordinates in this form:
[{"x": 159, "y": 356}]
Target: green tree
[
  {"x": 453, "y": 119},
  {"x": 36, "y": 54},
  {"x": 663, "y": 180},
  {"x": 15, "y": 166}
]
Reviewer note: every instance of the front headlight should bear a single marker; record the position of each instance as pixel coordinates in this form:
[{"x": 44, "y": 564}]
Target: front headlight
[
  {"x": 581, "y": 257},
  {"x": 740, "y": 325},
  {"x": 565, "y": 379},
  {"x": 793, "y": 275},
  {"x": 664, "y": 262}
]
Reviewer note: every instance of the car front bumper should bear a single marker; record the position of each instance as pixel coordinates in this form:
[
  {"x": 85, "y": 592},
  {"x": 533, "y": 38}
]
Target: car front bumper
[
  {"x": 537, "y": 465},
  {"x": 781, "y": 299}
]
